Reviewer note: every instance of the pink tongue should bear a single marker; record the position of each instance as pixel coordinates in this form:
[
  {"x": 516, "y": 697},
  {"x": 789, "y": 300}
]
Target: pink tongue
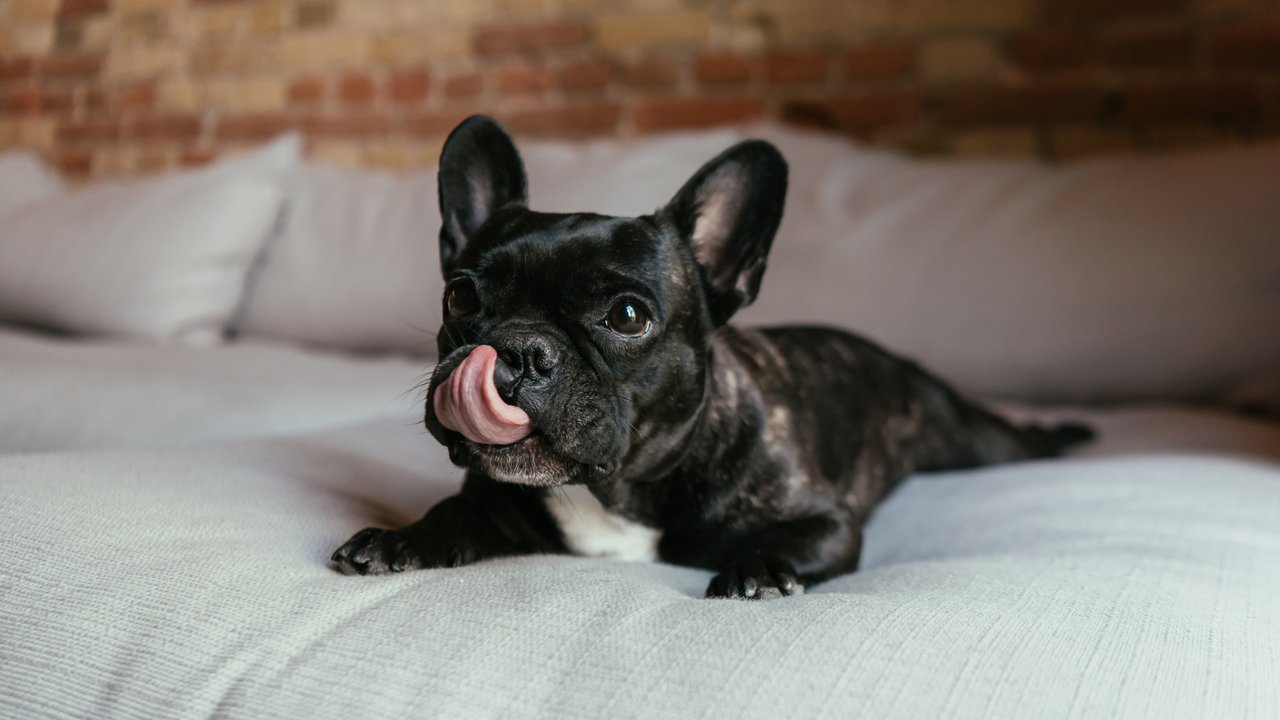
[{"x": 468, "y": 402}]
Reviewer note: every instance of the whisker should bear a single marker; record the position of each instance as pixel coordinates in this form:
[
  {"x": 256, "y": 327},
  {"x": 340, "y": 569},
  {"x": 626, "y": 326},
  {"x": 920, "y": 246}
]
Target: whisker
[
  {"x": 449, "y": 334},
  {"x": 421, "y": 384},
  {"x": 618, "y": 419},
  {"x": 424, "y": 331}
]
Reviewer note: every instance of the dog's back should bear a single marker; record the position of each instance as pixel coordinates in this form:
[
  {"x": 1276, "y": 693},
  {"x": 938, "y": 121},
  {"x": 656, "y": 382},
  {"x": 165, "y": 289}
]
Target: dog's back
[{"x": 867, "y": 418}]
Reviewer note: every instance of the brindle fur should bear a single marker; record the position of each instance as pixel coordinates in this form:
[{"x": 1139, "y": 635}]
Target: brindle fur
[{"x": 883, "y": 418}]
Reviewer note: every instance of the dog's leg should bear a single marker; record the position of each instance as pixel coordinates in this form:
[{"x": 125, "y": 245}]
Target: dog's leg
[
  {"x": 486, "y": 520},
  {"x": 779, "y": 559}
]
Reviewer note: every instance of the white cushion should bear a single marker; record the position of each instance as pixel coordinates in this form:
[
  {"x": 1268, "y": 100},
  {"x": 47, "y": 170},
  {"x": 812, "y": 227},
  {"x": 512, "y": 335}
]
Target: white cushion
[
  {"x": 163, "y": 258},
  {"x": 356, "y": 264},
  {"x": 63, "y": 393},
  {"x": 24, "y": 179},
  {"x": 1109, "y": 279}
]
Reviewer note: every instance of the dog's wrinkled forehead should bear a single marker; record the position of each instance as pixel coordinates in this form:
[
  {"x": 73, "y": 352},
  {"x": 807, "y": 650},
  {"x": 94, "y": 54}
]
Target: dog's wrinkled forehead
[{"x": 572, "y": 254}]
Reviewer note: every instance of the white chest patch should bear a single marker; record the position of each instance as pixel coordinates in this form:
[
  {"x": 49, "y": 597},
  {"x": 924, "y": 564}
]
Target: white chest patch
[{"x": 592, "y": 531}]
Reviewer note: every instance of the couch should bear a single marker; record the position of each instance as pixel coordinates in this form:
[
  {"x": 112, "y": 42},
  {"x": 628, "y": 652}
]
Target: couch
[{"x": 209, "y": 379}]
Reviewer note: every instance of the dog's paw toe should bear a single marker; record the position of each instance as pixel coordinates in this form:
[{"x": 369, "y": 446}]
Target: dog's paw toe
[
  {"x": 374, "y": 551},
  {"x": 756, "y": 580}
]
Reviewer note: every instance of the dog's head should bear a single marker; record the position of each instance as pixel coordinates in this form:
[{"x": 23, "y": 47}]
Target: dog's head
[{"x": 576, "y": 347}]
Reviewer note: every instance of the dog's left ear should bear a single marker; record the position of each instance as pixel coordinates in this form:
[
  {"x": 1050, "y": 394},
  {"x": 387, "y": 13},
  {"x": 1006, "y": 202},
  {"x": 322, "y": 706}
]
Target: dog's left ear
[
  {"x": 480, "y": 173},
  {"x": 728, "y": 212}
]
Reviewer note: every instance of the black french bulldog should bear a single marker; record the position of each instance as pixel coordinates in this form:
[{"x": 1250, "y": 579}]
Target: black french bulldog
[{"x": 591, "y": 387}]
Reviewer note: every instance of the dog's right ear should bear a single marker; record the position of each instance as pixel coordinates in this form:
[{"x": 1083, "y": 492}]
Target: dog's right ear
[
  {"x": 480, "y": 173},
  {"x": 728, "y": 212}
]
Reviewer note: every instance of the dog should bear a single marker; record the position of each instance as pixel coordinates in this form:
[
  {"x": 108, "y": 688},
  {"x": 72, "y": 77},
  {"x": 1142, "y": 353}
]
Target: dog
[{"x": 591, "y": 386}]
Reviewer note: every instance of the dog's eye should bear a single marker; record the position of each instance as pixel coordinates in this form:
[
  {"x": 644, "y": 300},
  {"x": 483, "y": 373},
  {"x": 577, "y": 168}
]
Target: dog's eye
[
  {"x": 461, "y": 300},
  {"x": 629, "y": 318}
]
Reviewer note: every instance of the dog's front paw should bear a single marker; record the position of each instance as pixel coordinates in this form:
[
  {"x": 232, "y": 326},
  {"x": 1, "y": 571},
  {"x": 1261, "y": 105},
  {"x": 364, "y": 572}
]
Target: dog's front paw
[
  {"x": 374, "y": 551},
  {"x": 756, "y": 579}
]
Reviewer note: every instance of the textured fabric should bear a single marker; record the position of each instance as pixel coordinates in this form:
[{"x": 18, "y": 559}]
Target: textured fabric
[
  {"x": 162, "y": 259},
  {"x": 1104, "y": 280},
  {"x": 58, "y": 394},
  {"x": 1135, "y": 580},
  {"x": 355, "y": 265},
  {"x": 24, "y": 179}
]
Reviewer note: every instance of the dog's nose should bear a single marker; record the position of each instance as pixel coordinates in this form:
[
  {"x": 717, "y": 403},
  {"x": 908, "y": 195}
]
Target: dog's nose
[
  {"x": 505, "y": 377},
  {"x": 523, "y": 360},
  {"x": 540, "y": 357}
]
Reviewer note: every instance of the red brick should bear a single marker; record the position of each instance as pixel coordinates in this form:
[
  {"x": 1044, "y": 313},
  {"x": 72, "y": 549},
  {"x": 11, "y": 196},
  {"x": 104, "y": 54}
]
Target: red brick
[
  {"x": 857, "y": 113},
  {"x": 197, "y": 158},
  {"x": 21, "y": 101},
  {"x": 79, "y": 65},
  {"x": 796, "y": 67},
  {"x": 652, "y": 74},
  {"x": 135, "y": 96},
  {"x": 255, "y": 126},
  {"x": 1215, "y": 101},
  {"x": 1023, "y": 105},
  {"x": 586, "y": 76},
  {"x": 349, "y": 125},
  {"x": 1092, "y": 12},
  {"x": 570, "y": 121},
  {"x": 673, "y": 113},
  {"x": 314, "y": 14},
  {"x": 1050, "y": 51},
  {"x": 75, "y": 162},
  {"x": 96, "y": 99},
  {"x": 172, "y": 127},
  {"x": 724, "y": 69},
  {"x": 35, "y": 101},
  {"x": 102, "y": 130},
  {"x": 357, "y": 88},
  {"x": 1150, "y": 49},
  {"x": 524, "y": 80},
  {"x": 306, "y": 91},
  {"x": 74, "y": 8},
  {"x": 463, "y": 85},
  {"x": 16, "y": 68},
  {"x": 409, "y": 87},
  {"x": 1247, "y": 45},
  {"x": 56, "y": 102},
  {"x": 433, "y": 125},
  {"x": 531, "y": 38},
  {"x": 877, "y": 62}
]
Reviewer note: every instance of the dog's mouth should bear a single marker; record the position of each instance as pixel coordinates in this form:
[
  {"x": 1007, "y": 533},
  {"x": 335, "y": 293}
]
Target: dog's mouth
[
  {"x": 485, "y": 433},
  {"x": 529, "y": 461},
  {"x": 532, "y": 460},
  {"x": 468, "y": 402}
]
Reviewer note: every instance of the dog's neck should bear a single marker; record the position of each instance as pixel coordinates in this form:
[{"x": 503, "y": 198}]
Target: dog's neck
[{"x": 729, "y": 415}]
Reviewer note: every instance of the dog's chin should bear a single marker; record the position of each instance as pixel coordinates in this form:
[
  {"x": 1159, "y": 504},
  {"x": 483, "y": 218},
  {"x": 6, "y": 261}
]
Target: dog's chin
[{"x": 531, "y": 461}]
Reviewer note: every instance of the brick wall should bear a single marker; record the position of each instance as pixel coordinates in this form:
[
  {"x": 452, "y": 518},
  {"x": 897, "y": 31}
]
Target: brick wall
[{"x": 107, "y": 87}]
